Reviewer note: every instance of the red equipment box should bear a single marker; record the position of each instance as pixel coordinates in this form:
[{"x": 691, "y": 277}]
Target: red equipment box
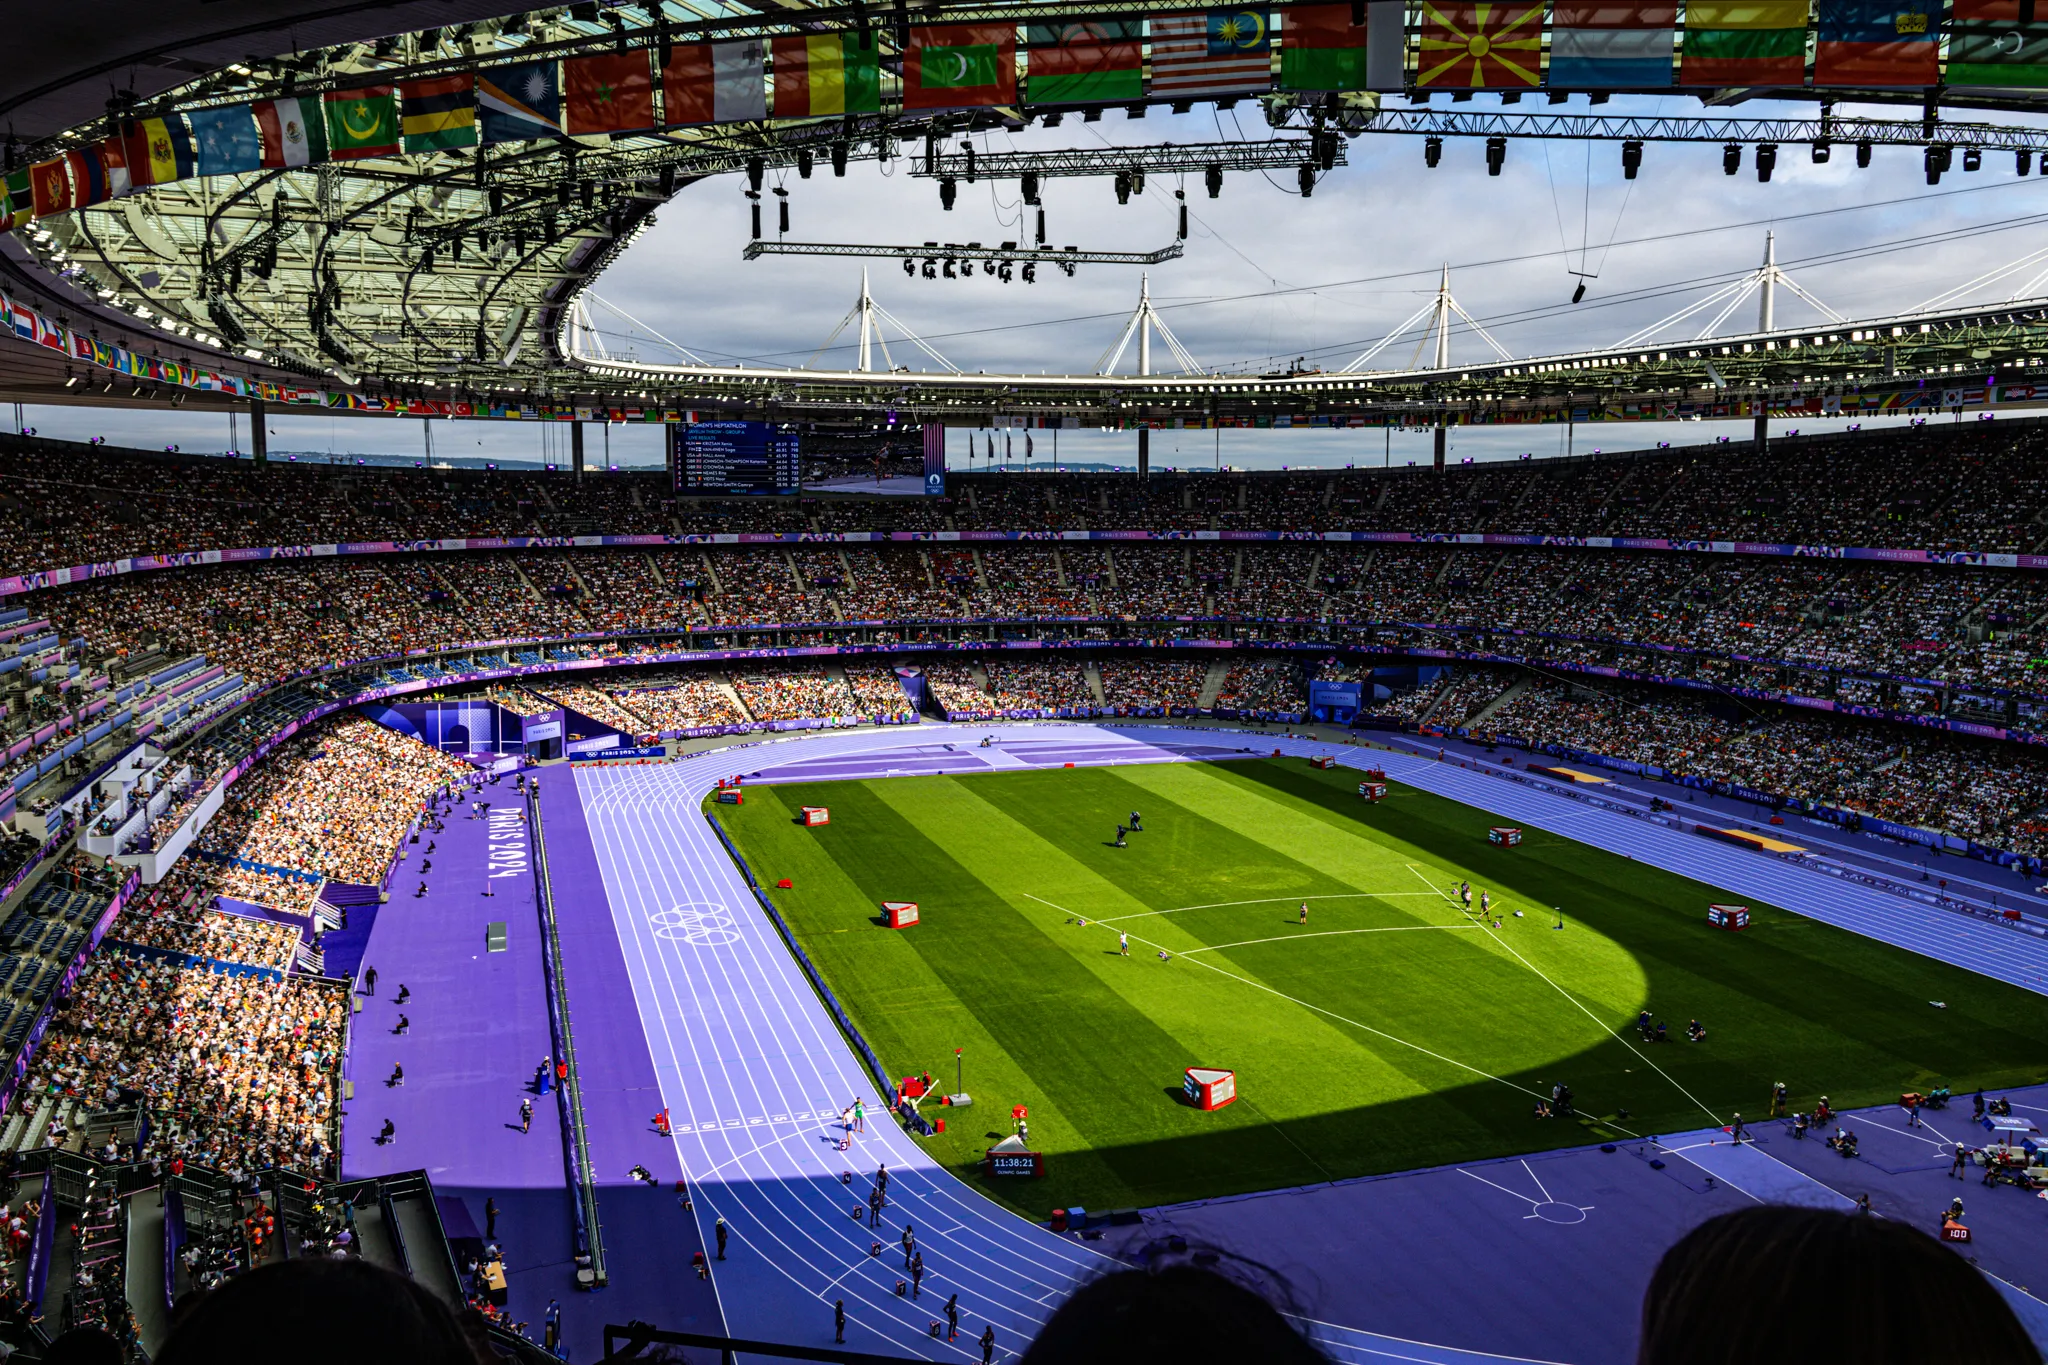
[
  {"x": 1373, "y": 791},
  {"x": 1952, "y": 1231},
  {"x": 1505, "y": 835},
  {"x": 1323, "y": 761},
  {"x": 1375, "y": 774},
  {"x": 912, "y": 1088},
  {"x": 901, "y": 914},
  {"x": 1209, "y": 1087},
  {"x": 1728, "y": 916},
  {"x": 729, "y": 796},
  {"x": 816, "y": 815}
]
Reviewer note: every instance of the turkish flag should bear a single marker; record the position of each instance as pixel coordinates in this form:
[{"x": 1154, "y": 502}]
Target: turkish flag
[{"x": 609, "y": 94}]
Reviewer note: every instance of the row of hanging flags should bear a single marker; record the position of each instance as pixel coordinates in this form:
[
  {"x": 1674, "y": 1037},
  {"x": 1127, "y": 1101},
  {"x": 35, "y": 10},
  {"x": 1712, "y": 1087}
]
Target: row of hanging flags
[{"x": 1564, "y": 45}]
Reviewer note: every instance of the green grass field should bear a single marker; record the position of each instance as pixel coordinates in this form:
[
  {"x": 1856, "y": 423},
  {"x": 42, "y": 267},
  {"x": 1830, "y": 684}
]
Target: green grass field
[{"x": 1390, "y": 1032}]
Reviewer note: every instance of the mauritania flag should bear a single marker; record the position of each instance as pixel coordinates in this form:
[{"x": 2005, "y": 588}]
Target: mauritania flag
[
  {"x": 826, "y": 73},
  {"x": 519, "y": 103},
  {"x": 1991, "y": 42},
  {"x": 1211, "y": 52},
  {"x": 439, "y": 114},
  {"x": 362, "y": 123},
  {"x": 952, "y": 66},
  {"x": 1603, "y": 45},
  {"x": 293, "y": 132},
  {"x": 1744, "y": 42},
  {"x": 224, "y": 141},
  {"x": 1085, "y": 61}
]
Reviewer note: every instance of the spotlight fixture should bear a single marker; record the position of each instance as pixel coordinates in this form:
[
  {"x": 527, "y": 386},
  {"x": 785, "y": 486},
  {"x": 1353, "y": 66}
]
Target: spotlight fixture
[
  {"x": 1863, "y": 155},
  {"x": 2023, "y": 162},
  {"x": 1432, "y": 151},
  {"x": 1212, "y": 179},
  {"x": 1973, "y": 158},
  {"x": 1766, "y": 161},
  {"x": 1631, "y": 159},
  {"x": 1731, "y": 158},
  {"x": 1496, "y": 154},
  {"x": 1306, "y": 178},
  {"x": 949, "y": 189}
]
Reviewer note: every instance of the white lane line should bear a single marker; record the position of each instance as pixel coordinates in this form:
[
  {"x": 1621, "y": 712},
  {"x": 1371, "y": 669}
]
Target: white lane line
[
  {"x": 1270, "y": 900},
  {"x": 1324, "y": 933},
  {"x": 1318, "y": 1009},
  {"x": 1541, "y": 975}
]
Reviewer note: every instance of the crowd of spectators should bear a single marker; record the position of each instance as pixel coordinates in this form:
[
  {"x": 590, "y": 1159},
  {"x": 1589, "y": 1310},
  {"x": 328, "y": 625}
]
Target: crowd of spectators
[
  {"x": 1037, "y": 685},
  {"x": 333, "y": 801},
  {"x": 879, "y": 692},
  {"x": 795, "y": 694},
  {"x": 1152, "y": 684},
  {"x": 1262, "y": 687},
  {"x": 163, "y": 920},
  {"x": 599, "y": 704},
  {"x": 685, "y": 703},
  {"x": 238, "y": 1073}
]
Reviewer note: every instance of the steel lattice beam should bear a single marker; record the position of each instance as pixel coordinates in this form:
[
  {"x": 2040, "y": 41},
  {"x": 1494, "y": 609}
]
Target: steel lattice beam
[
  {"x": 965, "y": 251},
  {"x": 1621, "y": 128},
  {"x": 1280, "y": 154}
]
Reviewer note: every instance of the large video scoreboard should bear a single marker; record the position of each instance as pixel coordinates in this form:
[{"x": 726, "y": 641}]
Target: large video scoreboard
[{"x": 734, "y": 457}]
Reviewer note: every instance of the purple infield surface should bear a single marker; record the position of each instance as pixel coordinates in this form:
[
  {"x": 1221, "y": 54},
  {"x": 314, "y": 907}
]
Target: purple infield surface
[{"x": 683, "y": 996}]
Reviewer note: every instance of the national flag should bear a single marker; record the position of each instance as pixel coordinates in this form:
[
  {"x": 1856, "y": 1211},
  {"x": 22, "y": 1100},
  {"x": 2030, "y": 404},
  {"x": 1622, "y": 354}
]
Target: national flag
[
  {"x": 159, "y": 151},
  {"x": 1605, "y": 45},
  {"x": 362, "y": 123},
  {"x": 718, "y": 83},
  {"x": 952, "y": 66},
  {"x": 24, "y": 321},
  {"x": 114, "y": 156},
  {"x": 438, "y": 114},
  {"x": 612, "y": 93},
  {"x": 50, "y": 186},
  {"x": 88, "y": 176},
  {"x": 1320, "y": 49},
  {"x": 519, "y": 103},
  {"x": 1213, "y": 52},
  {"x": 1997, "y": 43},
  {"x": 1480, "y": 46},
  {"x": 1877, "y": 42},
  {"x": 1085, "y": 61},
  {"x": 1744, "y": 43},
  {"x": 225, "y": 141},
  {"x": 292, "y": 132},
  {"x": 20, "y": 201},
  {"x": 826, "y": 73}
]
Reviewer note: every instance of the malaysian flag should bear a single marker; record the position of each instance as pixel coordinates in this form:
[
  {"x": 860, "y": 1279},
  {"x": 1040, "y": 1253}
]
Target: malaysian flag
[{"x": 1212, "y": 52}]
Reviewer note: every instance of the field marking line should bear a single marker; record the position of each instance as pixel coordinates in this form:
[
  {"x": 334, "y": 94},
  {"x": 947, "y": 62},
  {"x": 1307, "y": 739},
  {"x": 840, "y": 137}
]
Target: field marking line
[
  {"x": 1324, "y": 933},
  {"x": 1502, "y": 940},
  {"x": 1540, "y": 1189},
  {"x": 1318, "y": 1009},
  {"x": 1269, "y": 900}
]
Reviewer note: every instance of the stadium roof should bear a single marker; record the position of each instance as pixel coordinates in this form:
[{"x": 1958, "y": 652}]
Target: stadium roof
[{"x": 453, "y": 273}]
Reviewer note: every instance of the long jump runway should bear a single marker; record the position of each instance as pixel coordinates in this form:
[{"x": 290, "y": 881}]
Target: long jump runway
[{"x": 755, "y": 1073}]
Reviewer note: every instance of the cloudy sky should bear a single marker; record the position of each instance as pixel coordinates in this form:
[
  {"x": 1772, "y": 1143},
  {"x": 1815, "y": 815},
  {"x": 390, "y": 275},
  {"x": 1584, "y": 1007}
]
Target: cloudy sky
[{"x": 1268, "y": 277}]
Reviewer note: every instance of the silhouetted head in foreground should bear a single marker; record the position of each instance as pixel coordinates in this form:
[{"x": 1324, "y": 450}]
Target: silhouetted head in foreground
[
  {"x": 1179, "y": 1315},
  {"x": 1781, "y": 1283},
  {"x": 319, "y": 1312}
]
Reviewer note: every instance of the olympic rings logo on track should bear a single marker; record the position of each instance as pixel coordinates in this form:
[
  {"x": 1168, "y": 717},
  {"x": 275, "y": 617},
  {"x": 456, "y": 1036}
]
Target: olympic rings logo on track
[{"x": 701, "y": 924}]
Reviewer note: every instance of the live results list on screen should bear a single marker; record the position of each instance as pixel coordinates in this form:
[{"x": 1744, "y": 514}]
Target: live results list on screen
[{"x": 736, "y": 457}]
